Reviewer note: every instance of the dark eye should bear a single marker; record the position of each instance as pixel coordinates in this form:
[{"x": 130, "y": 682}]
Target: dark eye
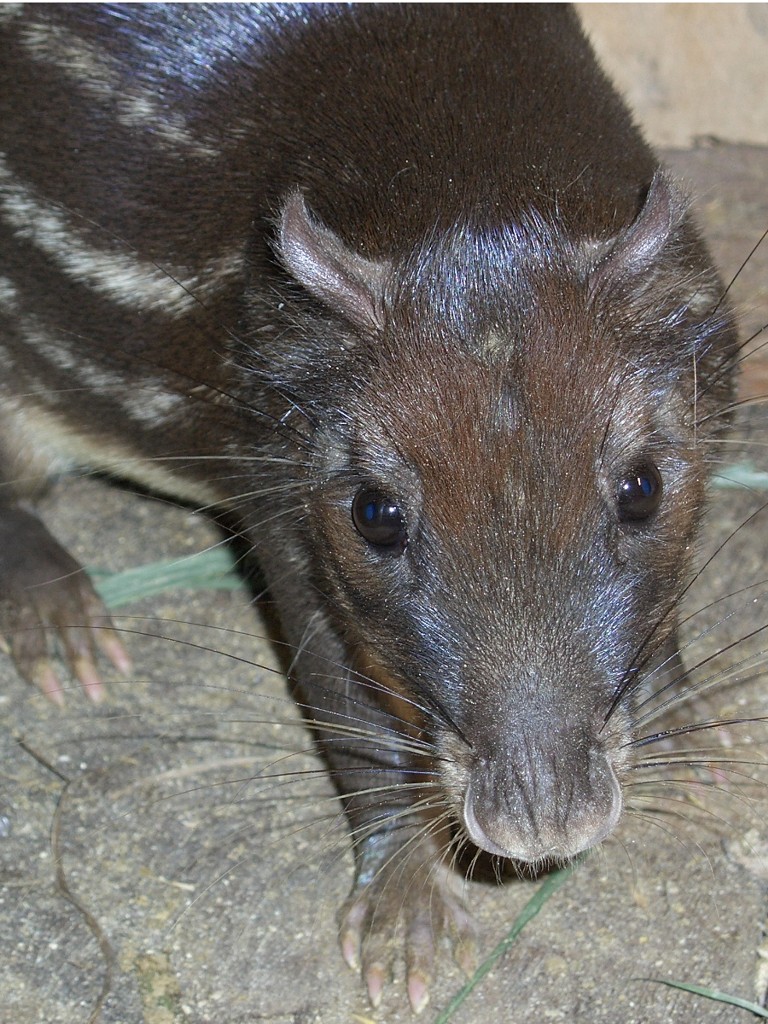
[
  {"x": 639, "y": 493},
  {"x": 377, "y": 518}
]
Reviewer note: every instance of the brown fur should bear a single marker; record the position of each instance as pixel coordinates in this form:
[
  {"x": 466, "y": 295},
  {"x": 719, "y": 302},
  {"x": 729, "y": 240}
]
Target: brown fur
[{"x": 411, "y": 261}]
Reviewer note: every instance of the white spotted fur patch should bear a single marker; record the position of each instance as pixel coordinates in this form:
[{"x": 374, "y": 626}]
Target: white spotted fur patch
[
  {"x": 10, "y": 11},
  {"x": 148, "y": 403},
  {"x": 494, "y": 344},
  {"x": 119, "y": 277},
  {"x": 8, "y": 295},
  {"x": 41, "y": 444},
  {"x": 96, "y": 75}
]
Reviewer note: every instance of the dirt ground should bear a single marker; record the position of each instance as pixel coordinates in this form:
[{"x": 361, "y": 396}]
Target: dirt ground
[{"x": 175, "y": 854}]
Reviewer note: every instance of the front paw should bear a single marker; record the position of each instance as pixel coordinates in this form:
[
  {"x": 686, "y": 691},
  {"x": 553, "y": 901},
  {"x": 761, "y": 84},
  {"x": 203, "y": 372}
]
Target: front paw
[
  {"x": 404, "y": 896},
  {"x": 46, "y": 597}
]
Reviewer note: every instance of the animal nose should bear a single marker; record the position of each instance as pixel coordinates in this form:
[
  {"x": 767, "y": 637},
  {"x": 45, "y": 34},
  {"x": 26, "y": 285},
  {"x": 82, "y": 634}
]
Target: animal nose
[{"x": 542, "y": 806}]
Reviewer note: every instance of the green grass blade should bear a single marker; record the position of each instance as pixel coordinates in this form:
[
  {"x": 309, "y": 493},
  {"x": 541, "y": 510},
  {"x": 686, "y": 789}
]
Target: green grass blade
[
  {"x": 741, "y": 474},
  {"x": 547, "y": 889},
  {"x": 212, "y": 569},
  {"x": 709, "y": 993}
]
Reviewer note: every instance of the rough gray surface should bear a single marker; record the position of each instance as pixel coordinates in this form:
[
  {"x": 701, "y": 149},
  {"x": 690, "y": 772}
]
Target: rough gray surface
[{"x": 175, "y": 855}]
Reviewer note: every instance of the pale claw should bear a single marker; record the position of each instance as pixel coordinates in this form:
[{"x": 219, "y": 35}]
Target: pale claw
[
  {"x": 45, "y": 595},
  {"x": 407, "y": 892}
]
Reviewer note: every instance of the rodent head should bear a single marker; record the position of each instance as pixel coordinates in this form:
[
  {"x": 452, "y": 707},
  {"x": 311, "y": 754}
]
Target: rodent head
[{"x": 506, "y": 480}]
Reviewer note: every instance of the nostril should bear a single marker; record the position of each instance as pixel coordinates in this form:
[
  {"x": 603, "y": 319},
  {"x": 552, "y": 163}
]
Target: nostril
[
  {"x": 480, "y": 833},
  {"x": 530, "y": 816}
]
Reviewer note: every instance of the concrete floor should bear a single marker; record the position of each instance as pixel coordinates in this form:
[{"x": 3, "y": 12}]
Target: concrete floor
[{"x": 175, "y": 855}]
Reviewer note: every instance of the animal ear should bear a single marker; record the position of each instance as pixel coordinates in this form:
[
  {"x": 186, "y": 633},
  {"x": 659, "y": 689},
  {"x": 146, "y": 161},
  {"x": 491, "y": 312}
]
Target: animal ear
[
  {"x": 637, "y": 246},
  {"x": 346, "y": 282}
]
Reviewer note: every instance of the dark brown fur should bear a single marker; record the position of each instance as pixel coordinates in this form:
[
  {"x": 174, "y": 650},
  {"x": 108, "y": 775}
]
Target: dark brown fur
[{"x": 456, "y": 278}]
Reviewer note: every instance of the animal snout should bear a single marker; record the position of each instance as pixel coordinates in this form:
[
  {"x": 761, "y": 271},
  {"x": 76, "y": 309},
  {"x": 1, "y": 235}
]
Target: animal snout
[{"x": 534, "y": 803}]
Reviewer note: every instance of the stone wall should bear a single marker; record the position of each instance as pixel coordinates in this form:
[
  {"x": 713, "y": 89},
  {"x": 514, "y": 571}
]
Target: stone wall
[{"x": 687, "y": 70}]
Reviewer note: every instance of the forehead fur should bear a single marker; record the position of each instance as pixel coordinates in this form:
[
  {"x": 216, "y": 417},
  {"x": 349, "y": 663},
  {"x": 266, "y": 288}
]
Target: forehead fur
[{"x": 470, "y": 281}]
